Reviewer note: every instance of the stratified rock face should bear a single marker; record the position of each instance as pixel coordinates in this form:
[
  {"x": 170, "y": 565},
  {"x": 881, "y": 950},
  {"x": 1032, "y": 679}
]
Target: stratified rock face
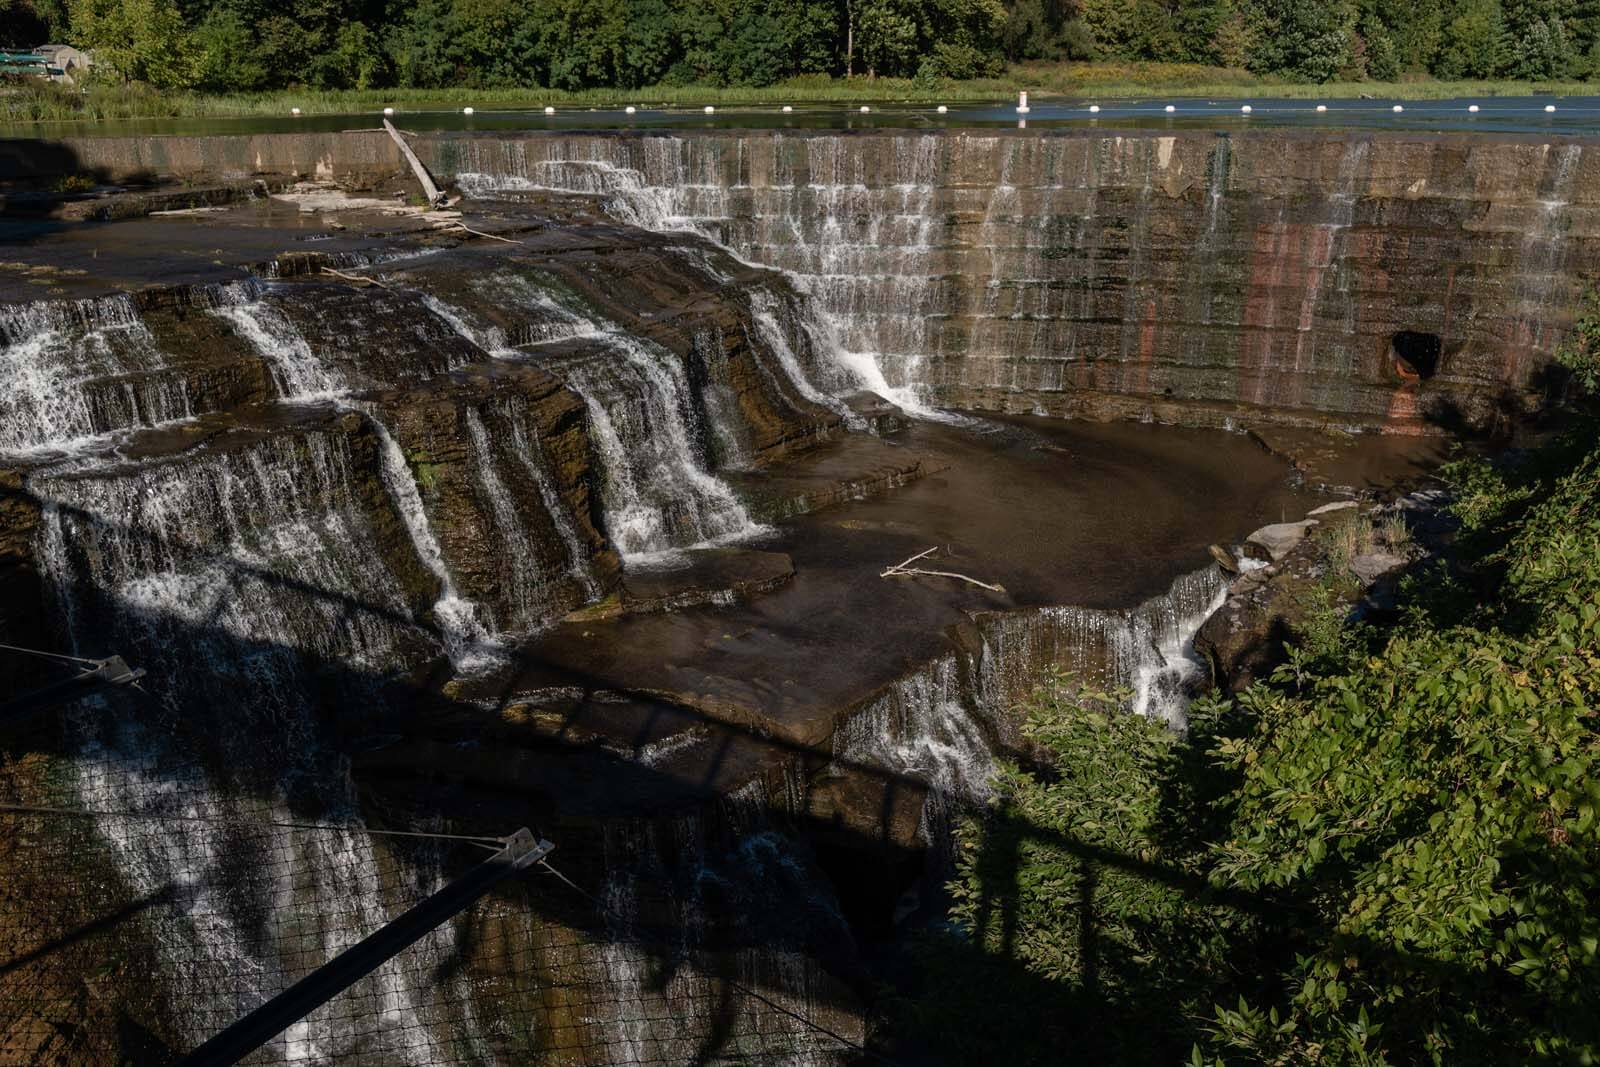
[{"x": 1403, "y": 282}]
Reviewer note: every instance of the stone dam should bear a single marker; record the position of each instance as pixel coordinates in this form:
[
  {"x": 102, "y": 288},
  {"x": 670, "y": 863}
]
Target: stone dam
[{"x": 570, "y": 508}]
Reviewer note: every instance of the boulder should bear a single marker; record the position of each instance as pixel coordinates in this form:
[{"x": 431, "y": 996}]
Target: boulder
[
  {"x": 1224, "y": 559},
  {"x": 1374, "y": 565},
  {"x": 1279, "y": 538}
]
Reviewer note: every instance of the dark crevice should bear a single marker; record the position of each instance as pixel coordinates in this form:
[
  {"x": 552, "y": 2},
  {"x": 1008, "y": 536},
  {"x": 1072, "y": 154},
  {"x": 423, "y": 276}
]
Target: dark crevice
[{"x": 1417, "y": 353}]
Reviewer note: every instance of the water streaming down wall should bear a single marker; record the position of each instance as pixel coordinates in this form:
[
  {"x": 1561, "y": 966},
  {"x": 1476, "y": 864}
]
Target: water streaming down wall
[
  {"x": 75, "y": 369},
  {"x": 252, "y": 584},
  {"x": 1147, "y": 651},
  {"x": 1124, "y": 274},
  {"x": 647, "y": 429}
]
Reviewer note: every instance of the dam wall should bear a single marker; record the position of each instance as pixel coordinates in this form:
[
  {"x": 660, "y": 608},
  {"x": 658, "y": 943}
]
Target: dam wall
[{"x": 1399, "y": 282}]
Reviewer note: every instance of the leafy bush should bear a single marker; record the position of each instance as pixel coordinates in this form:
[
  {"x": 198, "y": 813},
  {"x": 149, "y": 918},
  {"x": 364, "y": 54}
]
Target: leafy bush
[{"x": 1388, "y": 854}]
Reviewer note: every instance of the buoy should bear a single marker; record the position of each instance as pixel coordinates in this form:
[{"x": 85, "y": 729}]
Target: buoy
[
  {"x": 1322, "y": 107},
  {"x": 1398, "y": 109},
  {"x": 295, "y": 112},
  {"x": 942, "y": 109},
  {"x": 1170, "y": 109},
  {"x": 1022, "y": 103},
  {"x": 1549, "y": 108},
  {"x": 388, "y": 112},
  {"x": 549, "y": 110},
  {"x": 1094, "y": 109},
  {"x": 1245, "y": 110},
  {"x": 710, "y": 109},
  {"x": 865, "y": 109},
  {"x": 1472, "y": 108},
  {"x": 787, "y": 108},
  {"x": 466, "y": 111},
  {"x": 630, "y": 109}
]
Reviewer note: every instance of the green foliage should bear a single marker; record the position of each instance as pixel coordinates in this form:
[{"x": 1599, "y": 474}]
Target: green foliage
[
  {"x": 1580, "y": 351},
  {"x": 1388, "y": 854},
  {"x": 581, "y": 45}
]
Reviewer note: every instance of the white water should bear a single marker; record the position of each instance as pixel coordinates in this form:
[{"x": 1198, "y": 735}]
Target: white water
[
  {"x": 659, "y": 494},
  {"x": 466, "y": 640},
  {"x": 75, "y": 370},
  {"x": 528, "y": 590},
  {"x": 298, "y": 373},
  {"x": 676, "y": 190},
  {"x": 1148, "y": 651}
]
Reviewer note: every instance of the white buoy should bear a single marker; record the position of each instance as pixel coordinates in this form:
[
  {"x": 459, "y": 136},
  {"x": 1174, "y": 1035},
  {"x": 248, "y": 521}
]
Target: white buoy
[
  {"x": 1398, "y": 109},
  {"x": 1245, "y": 110},
  {"x": 1472, "y": 108},
  {"x": 1170, "y": 109},
  {"x": 295, "y": 112},
  {"x": 1022, "y": 103},
  {"x": 630, "y": 109},
  {"x": 1549, "y": 108},
  {"x": 1322, "y": 108},
  {"x": 388, "y": 112},
  {"x": 548, "y": 110},
  {"x": 1094, "y": 109},
  {"x": 942, "y": 109},
  {"x": 865, "y": 109},
  {"x": 787, "y": 108},
  {"x": 466, "y": 111},
  {"x": 710, "y": 109}
]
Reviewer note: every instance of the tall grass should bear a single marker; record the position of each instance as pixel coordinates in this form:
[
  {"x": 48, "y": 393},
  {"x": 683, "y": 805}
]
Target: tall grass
[{"x": 29, "y": 100}]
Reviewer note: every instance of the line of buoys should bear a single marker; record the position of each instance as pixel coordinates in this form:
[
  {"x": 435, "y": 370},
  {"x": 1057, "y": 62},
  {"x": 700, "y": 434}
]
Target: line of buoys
[
  {"x": 388, "y": 112},
  {"x": 942, "y": 109},
  {"x": 1245, "y": 110},
  {"x": 710, "y": 110},
  {"x": 466, "y": 111},
  {"x": 630, "y": 109},
  {"x": 1398, "y": 109},
  {"x": 1550, "y": 109},
  {"x": 548, "y": 110},
  {"x": 787, "y": 108},
  {"x": 1170, "y": 109},
  {"x": 1322, "y": 107},
  {"x": 1472, "y": 108},
  {"x": 865, "y": 109},
  {"x": 1094, "y": 109}
]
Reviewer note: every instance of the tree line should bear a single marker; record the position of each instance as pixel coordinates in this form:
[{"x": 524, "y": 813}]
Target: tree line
[{"x": 247, "y": 45}]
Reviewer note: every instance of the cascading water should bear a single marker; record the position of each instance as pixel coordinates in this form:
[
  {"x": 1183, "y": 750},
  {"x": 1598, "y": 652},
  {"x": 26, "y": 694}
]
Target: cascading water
[
  {"x": 296, "y": 370},
  {"x": 247, "y": 582},
  {"x": 525, "y": 448},
  {"x": 659, "y": 493},
  {"x": 1148, "y": 651},
  {"x": 81, "y": 368},
  {"x": 528, "y": 588},
  {"x": 677, "y": 190}
]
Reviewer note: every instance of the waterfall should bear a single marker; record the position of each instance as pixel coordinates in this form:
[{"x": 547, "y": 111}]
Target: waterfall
[
  {"x": 465, "y": 637},
  {"x": 1148, "y": 651},
  {"x": 658, "y": 494},
  {"x": 297, "y": 372},
  {"x": 235, "y": 577},
  {"x": 926, "y": 726},
  {"x": 528, "y": 589},
  {"x": 77, "y": 369},
  {"x": 673, "y": 191},
  {"x": 525, "y": 447}
]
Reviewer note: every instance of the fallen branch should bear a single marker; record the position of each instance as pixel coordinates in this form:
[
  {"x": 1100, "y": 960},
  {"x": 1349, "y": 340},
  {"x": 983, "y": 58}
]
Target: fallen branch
[
  {"x": 951, "y": 574},
  {"x": 430, "y": 191},
  {"x": 354, "y": 279},
  {"x": 479, "y": 233},
  {"x": 897, "y": 567},
  {"x": 904, "y": 568}
]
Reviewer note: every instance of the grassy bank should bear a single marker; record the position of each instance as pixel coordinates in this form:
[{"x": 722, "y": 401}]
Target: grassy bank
[{"x": 34, "y": 102}]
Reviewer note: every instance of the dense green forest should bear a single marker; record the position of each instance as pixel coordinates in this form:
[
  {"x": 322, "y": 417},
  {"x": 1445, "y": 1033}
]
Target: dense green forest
[
  {"x": 1387, "y": 854},
  {"x": 250, "y": 45}
]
